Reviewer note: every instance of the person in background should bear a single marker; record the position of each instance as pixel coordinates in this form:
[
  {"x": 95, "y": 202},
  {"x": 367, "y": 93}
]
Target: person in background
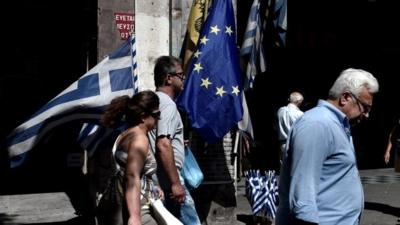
[
  {"x": 168, "y": 143},
  {"x": 287, "y": 115},
  {"x": 320, "y": 182},
  {"x": 135, "y": 161},
  {"x": 393, "y": 143},
  {"x": 393, "y": 136}
]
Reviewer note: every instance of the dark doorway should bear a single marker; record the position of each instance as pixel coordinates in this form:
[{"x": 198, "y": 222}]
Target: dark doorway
[
  {"x": 46, "y": 46},
  {"x": 323, "y": 38}
]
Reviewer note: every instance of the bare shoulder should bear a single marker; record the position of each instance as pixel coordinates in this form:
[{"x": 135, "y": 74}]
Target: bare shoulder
[{"x": 135, "y": 141}]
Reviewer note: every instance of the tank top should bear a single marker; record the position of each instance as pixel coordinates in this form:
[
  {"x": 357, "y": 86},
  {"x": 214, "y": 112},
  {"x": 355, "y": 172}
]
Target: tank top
[{"x": 150, "y": 167}]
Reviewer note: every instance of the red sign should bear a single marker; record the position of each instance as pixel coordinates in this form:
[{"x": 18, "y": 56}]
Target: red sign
[{"x": 125, "y": 24}]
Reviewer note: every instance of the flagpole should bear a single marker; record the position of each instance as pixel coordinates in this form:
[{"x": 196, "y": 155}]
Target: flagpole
[{"x": 235, "y": 150}]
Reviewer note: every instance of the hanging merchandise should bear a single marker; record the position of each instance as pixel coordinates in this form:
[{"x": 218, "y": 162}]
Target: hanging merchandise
[{"x": 262, "y": 192}]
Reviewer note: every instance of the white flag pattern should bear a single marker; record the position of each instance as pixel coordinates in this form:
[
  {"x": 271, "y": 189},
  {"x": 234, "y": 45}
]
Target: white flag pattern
[{"x": 84, "y": 100}]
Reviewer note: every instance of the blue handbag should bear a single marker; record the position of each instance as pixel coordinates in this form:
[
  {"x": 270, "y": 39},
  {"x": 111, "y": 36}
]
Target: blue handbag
[{"x": 191, "y": 171}]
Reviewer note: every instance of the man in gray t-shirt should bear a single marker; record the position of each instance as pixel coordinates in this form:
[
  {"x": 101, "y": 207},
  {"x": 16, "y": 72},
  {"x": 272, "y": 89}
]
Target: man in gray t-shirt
[
  {"x": 170, "y": 127},
  {"x": 167, "y": 142}
]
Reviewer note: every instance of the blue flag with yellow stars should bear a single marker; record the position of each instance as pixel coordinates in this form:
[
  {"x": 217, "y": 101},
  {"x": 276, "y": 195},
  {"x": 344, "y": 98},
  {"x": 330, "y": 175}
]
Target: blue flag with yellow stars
[{"x": 212, "y": 92}]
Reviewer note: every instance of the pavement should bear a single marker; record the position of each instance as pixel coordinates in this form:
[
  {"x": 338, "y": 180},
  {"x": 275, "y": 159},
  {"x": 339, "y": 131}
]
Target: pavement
[{"x": 381, "y": 189}]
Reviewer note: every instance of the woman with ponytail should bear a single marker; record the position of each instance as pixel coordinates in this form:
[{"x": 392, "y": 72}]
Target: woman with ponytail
[{"x": 135, "y": 161}]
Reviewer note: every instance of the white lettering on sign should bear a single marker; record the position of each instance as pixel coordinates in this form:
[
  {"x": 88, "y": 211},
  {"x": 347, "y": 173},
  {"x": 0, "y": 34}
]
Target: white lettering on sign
[
  {"x": 122, "y": 26},
  {"x": 125, "y": 24},
  {"x": 124, "y": 17}
]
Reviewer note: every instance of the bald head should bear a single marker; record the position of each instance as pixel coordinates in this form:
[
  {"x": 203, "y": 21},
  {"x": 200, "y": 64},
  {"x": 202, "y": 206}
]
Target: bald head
[{"x": 296, "y": 98}]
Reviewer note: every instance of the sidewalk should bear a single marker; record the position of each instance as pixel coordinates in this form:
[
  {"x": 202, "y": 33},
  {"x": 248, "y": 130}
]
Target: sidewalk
[
  {"x": 381, "y": 187},
  {"x": 382, "y": 198}
]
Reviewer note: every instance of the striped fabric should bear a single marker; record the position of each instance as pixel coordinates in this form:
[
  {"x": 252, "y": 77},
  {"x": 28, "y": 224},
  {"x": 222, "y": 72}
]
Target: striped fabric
[
  {"x": 84, "y": 100},
  {"x": 92, "y": 135},
  {"x": 280, "y": 19},
  {"x": 257, "y": 28},
  {"x": 262, "y": 192},
  {"x": 134, "y": 63},
  {"x": 252, "y": 49}
]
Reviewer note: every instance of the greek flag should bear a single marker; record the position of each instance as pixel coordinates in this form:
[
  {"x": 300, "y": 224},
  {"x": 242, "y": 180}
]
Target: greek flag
[
  {"x": 252, "y": 48},
  {"x": 262, "y": 192},
  {"x": 257, "y": 29},
  {"x": 280, "y": 19},
  {"x": 92, "y": 136},
  {"x": 84, "y": 100}
]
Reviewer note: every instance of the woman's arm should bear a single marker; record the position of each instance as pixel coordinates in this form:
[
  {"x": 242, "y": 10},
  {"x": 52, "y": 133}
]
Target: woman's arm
[{"x": 137, "y": 153}]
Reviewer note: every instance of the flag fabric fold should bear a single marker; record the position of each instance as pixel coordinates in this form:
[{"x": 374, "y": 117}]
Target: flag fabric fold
[
  {"x": 252, "y": 48},
  {"x": 92, "y": 136},
  {"x": 266, "y": 18},
  {"x": 280, "y": 19},
  {"x": 212, "y": 92},
  {"x": 262, "y": 192},
  {"x": 84, "y": 100},
  {"x": 197, "y": 16},
  {"x": 245, "y": 124}
]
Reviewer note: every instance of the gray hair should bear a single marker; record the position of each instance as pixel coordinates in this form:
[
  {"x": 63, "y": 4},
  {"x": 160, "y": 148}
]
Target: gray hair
[
  {"x": 296, "y": 97},
  {"x": 353, "y": 80}
]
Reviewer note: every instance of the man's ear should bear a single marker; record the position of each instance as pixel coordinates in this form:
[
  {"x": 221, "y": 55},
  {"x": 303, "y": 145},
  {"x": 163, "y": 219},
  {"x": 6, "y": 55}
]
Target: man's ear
[
  {"x": 344, "y": 99},
  {"x": 167, "y": 80}
]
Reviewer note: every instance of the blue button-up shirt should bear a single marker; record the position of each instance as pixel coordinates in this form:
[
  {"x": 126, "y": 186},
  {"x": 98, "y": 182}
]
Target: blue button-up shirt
[{"x": 319, "y": 180}]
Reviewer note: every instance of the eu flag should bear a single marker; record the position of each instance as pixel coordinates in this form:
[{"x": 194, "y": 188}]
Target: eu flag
[{"x": 212, "y": 92}]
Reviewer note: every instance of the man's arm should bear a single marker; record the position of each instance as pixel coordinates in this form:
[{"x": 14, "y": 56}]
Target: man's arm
[
  {"x": 167, "y": 161},
  {"x": 309, "y": 149}
]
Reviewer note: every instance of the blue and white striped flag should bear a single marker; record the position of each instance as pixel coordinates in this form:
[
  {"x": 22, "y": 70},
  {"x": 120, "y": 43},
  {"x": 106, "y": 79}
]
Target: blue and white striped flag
[
  {"x": 255, "y": 191},
  {"x": 280, "y": 19},
  {"x": 252, "y": 48},
  {"x": 257, "y": 28},
  {"x": 271, "y": 189},
  {"x": 262, "y": 192},
  {"x": 84, "y": 100},
  {"x": 92, "y": 135}
]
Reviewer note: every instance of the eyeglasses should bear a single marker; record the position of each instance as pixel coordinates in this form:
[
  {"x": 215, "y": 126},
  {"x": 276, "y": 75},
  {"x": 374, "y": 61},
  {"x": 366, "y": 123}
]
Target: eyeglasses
[
  {"x": 180, "y": 75},
  {"x": 366, "y": 108},
  {"x": 155, "y": 114}
]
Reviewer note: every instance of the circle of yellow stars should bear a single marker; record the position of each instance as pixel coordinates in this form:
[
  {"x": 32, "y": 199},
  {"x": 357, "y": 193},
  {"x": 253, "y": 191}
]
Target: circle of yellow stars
[{"x": 206, "y": 83}]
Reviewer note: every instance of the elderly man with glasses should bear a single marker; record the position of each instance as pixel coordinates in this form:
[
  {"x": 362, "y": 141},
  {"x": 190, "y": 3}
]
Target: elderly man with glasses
[{"x": 319, "y": 181}]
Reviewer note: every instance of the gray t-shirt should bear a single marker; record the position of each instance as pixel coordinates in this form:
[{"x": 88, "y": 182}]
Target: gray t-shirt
[{"x": 170, "y": 124}]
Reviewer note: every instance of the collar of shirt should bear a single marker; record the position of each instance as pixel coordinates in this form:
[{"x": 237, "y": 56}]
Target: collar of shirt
[{"x": 340, "y": 116}]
